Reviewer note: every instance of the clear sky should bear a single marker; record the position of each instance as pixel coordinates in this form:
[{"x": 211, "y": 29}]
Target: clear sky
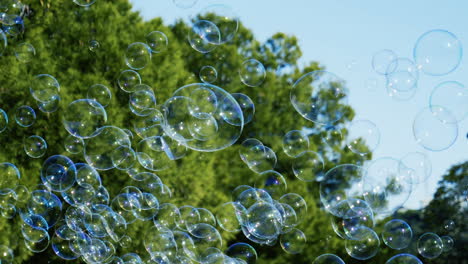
[{"x": 343, "y": 36}]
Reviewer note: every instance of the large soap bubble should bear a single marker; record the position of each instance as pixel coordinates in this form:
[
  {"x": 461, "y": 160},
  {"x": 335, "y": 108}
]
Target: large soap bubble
[
  {"x": 82, "y": 118},
  {"x": 453, "y": 96},
  {"x": 319, "y": 96}
]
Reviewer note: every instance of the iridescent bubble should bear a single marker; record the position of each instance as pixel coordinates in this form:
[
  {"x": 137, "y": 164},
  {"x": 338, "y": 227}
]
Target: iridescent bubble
[
  {"x": 25, "y": 116},
  {"x": 363, "y": 137},
  {"x": 123, "y": 157},
  {"x": 9, "y": 177},
  {"x": 308, "y": 166},
  {"x": 128, "y": 79},
  {"x": 185, "y": 4},
  {"x": 355, "y": 213},
  {"x": 3, "y": 120},
  {"x": 138, "y": 55},
  {"x": 35, "y": 146},
  {"x": 252, "y": 73},
  {"x": 165, "y": 219},
  {"x": 242, "y": 251},
  {"x": 453, "y": 96},
  {"x": 297, "y": 203},
  {"x": 208, "y": 74},
  {"x": 430, "y": 245},
  {"x": 252, "y": 196},
  {"x": 25, "y": 52},
  {"x": 100, "y": 93},
  {"x": 419, "y": 163},
  {"x": 44, "y": 87},
  {"x": 157, "y": 41},
  {"x": 382, "y": 60},
  {"x": 84, "y": 3},
  {"x": 435, "y": 128},
  {"x": 295, "y": 142},
  {"x": 58, "y": 173},
  {"x": 293, "y": 242},
  {"x": 263, "y": 220},
  {"x": 50, "y": 106},
  {"x": 73, "y": 145},
  {"x": 15, "y": 26},
  {"x": 142, "y": 100},
  {"x": 224, "y": 18},
  {"x": 94, "y": 45},
  {"x": 404, "y": 259},
  {"x": 258, "y": 157},
  {"x": 204, "y": 36},
  {"x": 363, "y": 245},
  {"x": 206, "y": 216},
  {"x": 447, "y": 243},
  {"x": 6, "y": 254},
  {"x": 397, "y": 234},
  {"x": 438, "y": 52},
  {"x": 272, "y": 182},
  {"x": 230, "y": 215},
  {"x": 328, "y": 259},
  {"x": 153, "y": 153},
  {"x": 320, "y": 97},
  {"x": 82, "y": 118}
]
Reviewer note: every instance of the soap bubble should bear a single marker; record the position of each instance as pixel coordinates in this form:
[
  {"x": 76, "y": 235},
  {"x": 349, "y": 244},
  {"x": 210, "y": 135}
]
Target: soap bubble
[
  {"x": 449, "y": 225},
  {"x": 403, "y": 78},
  {"x": 50, "y": 106},
  {"x": 142, "y": 100},
  {"x": 272, "y": 182},
  {"x": 382, "y": 62},
  {"x": 58, "y": 173},
  {"x": 263, "y": 220},
  {"x": 35, "y": 146},
  {"x": 74, "y": 145},
  {"x": 137, "y": 56},
  {"x": 452, "y": 96},
  {"x": 293, "y": 242},
  {"x": 430, "y": 245},
  {"x": 94, "y": 45},
  {"x": 128, "y": 79},
  {"x": 15, "y": 26},
  {"x": 252, "y": 73},
  {"x": 258, "y": 157},
  {"x": 154, "y": 153},
  {"x": 82, "y": 118},
  {"x": 363, "y": 137},
  {"x": 308, "y": 166},
  {"x": 295, "y": 142},
  {"x": 229, "y": 216},
  {"x": 44, "y": 87},
  {"x": 84, "y": 3},
  {"x": 99, "y": 93},
  {"x": 355, "y": 213},
  {"x": 25, "y": 116},
  {"x": 328, "y": 259},
  {"x": 247, "y": 106},
  {"x": 25, "y": 52},
  {"x": 123, "y": 157},
  {"x": 203, "y": 36},
  {"x": 397, "y": 234},
  {"x": 419, "y": 163},
  {"x": 438, "y": 52},
  {"x": 185, "y": 4},
  {"x": 6, "y": 254},
  {"x": 157, "y": 41},
  {"x": 224, "y": 18},
  {"x": 3, "y": 120},
  {"x": 208, "y": 74},
  {"x": 435, "y": 128},
  {"x": 363, "y": 245},
  {"x": 242, "y": 251},
  {"x": 9, "y": 177},
  {"x": 319, "y": 96},
  {"x": 447, "y": 243},
  {"x": 297, "y": 203},
  {"x": 404, "y": 259}
]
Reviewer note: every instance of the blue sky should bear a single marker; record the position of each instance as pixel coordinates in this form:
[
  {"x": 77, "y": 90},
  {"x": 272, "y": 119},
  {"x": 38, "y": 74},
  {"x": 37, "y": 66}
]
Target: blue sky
[{"x": 343, "y": 36}]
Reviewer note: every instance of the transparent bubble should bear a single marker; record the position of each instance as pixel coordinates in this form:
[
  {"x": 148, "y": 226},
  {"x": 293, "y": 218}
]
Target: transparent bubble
[
  {"x": 319, "y": 96},
  {"x": 438, "y": 52},
  {"x": 308, "y": 166},
  {"x": 99, "y": 149},
  {"x": 242, "y": 251},
  {"x": 166, "y": 216},
  {"x": 25, "y": 52},
  {"x": 35, "y": 146},
  {"x": 404, "y": 259},
  {"x": 252, "y": 73},
  {"x": 14, "y": 25},
  {"x": 83, "y": 118},
  {"x": 73, "y": 145},
  {"x": 258, "y": 158},
  {"x": 403, "y": 79},
  {"x": 229, "y": 216},
  {"x": 295, "y": 142},
  {"x": 225, "y": 19},
  {"x": 3, "y": 42},
  {"x": 206, "y": 216},
  {"x": 247, "y": 106},
  {"x": 94, "y": 45},
  {"x": 297, "y": 203},
  {"x": 153, "y": 153},
  {"x": 208, "y": 74},
  {"x": 355, "y": 213},
  {"x": 419, "y": 163},
  {"x": 37, "y": 247},
  {"x": 333, "y": 137},
  {"x": 84, "y": 3},
  {"x": 328, "y": 259},
  {"x": 204, "y": 36},
  {"x": 50, "y": 106},
  {"x": 9, "y": 177},
  {"x": 293, "y": 242},
  {"x": 382, "y": 60},
  {"x": 128, "y": 79},
  {"x": 58, "y": 173},
  {"x": 430, "y": 245},
  {"x": 100, "y": 93},
  {"x": 185, "y": 4},
  {"x": 363, "y": 245},
  {"x": 204, "y": 237},
  {"x": 142, "y": 100},
  {"x": 123, "y": 157},
  {"x": 386, "y": 186},
  {"x": 449, "y": 225},
  {"x": 25, "y": 116},
  {"x": 435, "y": 128},
  {"x": 138, "y": 55},
  {"x": 44, "y": 87},
  {"x": 62, "y": 249},
  {"x": 157, "y": 41},
  {"x": 3, "y": 120},
  {"x": 363, "y": 137},
  {"x": 45, "y": 204},
  {"x": 272, "y": 182},
  {"x": 264, "y": 220},
  {"x": 6, "y": 254},
  {"x": 453, "y": 96},
  {"x": 447, "y": 243},
  {"x": 397, "y": 234}
]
